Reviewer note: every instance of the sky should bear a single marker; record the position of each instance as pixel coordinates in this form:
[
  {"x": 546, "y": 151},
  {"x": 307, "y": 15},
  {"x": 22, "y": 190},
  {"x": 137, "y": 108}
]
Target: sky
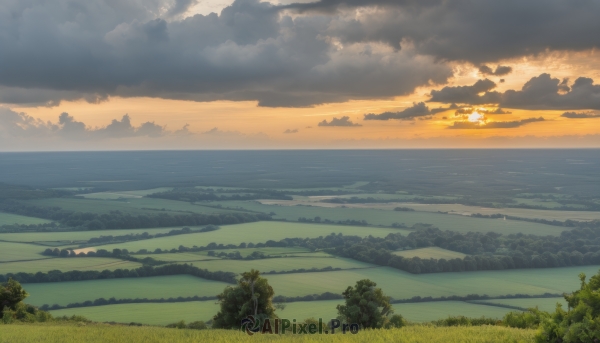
[{"x": 245, "y": 74}]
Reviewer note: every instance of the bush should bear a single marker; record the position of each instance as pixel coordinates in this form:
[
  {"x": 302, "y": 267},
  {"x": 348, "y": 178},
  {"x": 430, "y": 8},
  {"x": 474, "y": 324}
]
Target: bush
[
  {"x": 179, "y": 325},
  {"x": 395, "y": 321},
  {"x": 530, "y": 319},
  {"x": 197, "y": 325}
]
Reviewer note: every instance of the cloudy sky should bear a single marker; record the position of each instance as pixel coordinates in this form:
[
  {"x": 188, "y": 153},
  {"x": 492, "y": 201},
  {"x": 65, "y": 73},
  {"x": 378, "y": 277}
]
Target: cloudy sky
[{"x": 217, "y": 74}]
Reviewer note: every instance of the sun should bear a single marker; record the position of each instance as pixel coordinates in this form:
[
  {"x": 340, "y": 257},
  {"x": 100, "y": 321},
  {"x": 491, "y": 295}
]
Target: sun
[{"x": 477, "y": 117}]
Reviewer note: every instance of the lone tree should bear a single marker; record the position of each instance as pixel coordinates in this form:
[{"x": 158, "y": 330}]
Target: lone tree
[
  {"x": 11, "y": 293},
  {"x": 365, "y": 305},
  {"x": 252, "y": 296}
]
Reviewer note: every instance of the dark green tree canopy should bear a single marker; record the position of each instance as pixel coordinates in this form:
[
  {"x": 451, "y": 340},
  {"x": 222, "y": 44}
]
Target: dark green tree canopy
[
  {"x": 11, "y": 293},
  {"x": 365, "y": 305},
  {"x": 252, "y": 296}
]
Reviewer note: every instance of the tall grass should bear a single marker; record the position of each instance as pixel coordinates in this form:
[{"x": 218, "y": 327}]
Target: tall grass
[{"x": 100, "y": 333}]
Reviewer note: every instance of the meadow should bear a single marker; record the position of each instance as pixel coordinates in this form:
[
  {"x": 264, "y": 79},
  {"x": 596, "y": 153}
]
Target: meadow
[
  {"x": 10, "y": 219},
  {"x": 395, "y": 283},
  {"x": 280, "y": 264},
  {"x": 544, "y": 304},
  {"x": 100, "y": 333},
  {"x": 133, "y": 206},
  {"x": 258, "y": 232},
  {"x": 67, "y": 264},
  {"x": 402, "y": 285},
  {"x": 388, "y": 217},
  {"x": 430, "y": 252},
  {"x": 11, "y": 251},
  {"x": 166, "y": 313},
  {"x": 63, "y": 293},
  {"x": 65, "y": 237}
]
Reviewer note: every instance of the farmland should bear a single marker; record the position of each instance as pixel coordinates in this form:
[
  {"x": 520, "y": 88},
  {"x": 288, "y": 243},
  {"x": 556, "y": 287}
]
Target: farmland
[
  {"x": 63, "y": 293},
  {"x": 134, "y": 206},
  {"x": 480, "y": 257},
  {"x": 281, "y": 264},
  {"x": 10, "y": 219},
  {"x": 544, "y": 304},
  {"x": 76, "y": 236},
  {"x": 165, "y": 313},
  {"x": 388, "y": 217},
  {"x": 19, "y": 252},
  {"x": 259, "y": 232},
  {"x": 431, "y": 252}
]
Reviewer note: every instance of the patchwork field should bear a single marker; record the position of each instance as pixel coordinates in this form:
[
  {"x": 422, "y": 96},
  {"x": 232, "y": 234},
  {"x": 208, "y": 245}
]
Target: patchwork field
[
  {"x": 430, "y": 252},
  {"x": 388, "y": 217},
  {"x": 544, "y": 304},
  {"x": 10, "y": 219},
  {"x": 258, "y": 232},
  {"x": 67, "y": 264},
  {"x": 10, "y": 251},
  {"x": 157, "y": 287},
  {"x": 280, "y": 264}
]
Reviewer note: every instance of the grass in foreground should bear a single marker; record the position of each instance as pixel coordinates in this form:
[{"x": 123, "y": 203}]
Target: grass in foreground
[{"x": 105, "y": 333}]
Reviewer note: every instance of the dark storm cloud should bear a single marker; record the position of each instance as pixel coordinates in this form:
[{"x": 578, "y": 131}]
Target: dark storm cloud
[
  {"x": 418, "y": 110},
  {"x": 343, "y": 121},
  {"x": 475, "y": 31},
  {"x": 540, "y": 92},
  {"x": 494, "y": 124},
  {"x": 582, "y": 115},
  {"x": 500, "y": 70},
  {"x": 50, "y": 51},
  {"x": 467, "y": 94}
]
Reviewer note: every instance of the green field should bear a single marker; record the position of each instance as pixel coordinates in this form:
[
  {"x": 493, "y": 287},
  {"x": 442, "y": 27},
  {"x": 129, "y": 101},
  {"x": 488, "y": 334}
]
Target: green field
[
  {"x": 165, "y": 313},
  {"x": 395, "y": 283},
  {"x": 67, "y": 264},
  {"x": 287, "y": 251},
  {"x": 124, "y": 194},
  {"x": 388, "y": 217},
  {"x": 157, "y": 287},
  {"x": 102, "y": 333},
  {"x": 402, "y": 285},
  {"x": 77, "y": 236},
  {"x": 544, "y": 304},
  {"x": 430, "y": 252},
  {"x": 258, "y": 232},
  {"x": 280, "y": 264},
  {"x": 10, "y": 219},
  {"x": 148, "y": 313},
  {"x": 134, "y": 206},
  {"x": 10, "y": 251},
  {"x": 516, "y": 212},
  {"x": 178, "y": 257}
]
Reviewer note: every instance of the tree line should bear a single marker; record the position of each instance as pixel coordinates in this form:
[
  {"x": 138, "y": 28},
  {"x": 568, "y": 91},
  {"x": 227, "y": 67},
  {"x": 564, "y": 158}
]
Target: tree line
[
  {"x": 197, "y": 194},
  {"x": 120, "y": 220},
  {"x": 144, "y": 271}
]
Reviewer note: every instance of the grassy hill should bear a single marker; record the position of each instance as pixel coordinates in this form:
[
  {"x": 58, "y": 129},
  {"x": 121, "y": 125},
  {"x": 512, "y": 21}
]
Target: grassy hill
[{"x": 91, "y": 333}]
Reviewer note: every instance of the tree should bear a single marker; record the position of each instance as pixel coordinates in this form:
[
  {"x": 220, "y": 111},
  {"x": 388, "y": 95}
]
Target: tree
[
  {"x": 252, "y": 296},
  {"x": 365, "y": 305},
  {"x": 582, "y": 322},
  {"x": 11, "y": 293}
]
